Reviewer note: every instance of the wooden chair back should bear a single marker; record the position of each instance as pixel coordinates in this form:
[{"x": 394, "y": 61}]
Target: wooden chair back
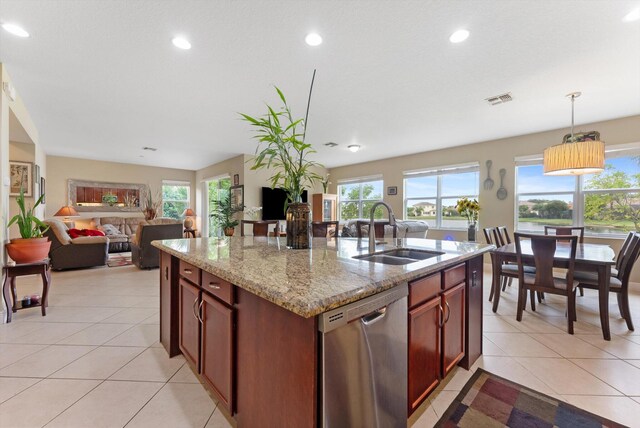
[
  {"x": 260, "y": 227},
  {"x": 503, "y": 235},
  {"x": 320, "y": 229},
  {"x": 378, "y": 227},
  {"x": 543, "y": 248},
  {"x": 628, "y": 259},
  {"x": 565, "y": 230},
  {"x": 489, "y": 235},
  {"x": 625, "y": 244}
]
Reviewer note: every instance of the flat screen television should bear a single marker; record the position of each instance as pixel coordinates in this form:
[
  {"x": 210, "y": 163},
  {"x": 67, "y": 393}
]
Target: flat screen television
[{"x": 273, "y": 203}]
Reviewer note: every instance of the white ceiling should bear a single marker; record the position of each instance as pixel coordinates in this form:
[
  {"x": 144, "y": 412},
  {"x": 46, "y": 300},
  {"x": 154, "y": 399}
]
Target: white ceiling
[{"x": 102, "y": 79}]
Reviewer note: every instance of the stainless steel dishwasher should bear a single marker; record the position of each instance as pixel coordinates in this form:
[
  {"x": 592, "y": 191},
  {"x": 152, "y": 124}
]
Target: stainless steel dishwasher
[{"x": 364, "y": 362}]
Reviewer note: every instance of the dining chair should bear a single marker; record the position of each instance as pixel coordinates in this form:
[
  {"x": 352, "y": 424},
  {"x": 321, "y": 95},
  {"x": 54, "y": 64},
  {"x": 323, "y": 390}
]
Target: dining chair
[
  {"x": 378, "y": 228},
  {"x": 619, "y": 282},
  {"x": 543, "y": 248},
  {"x": 321, "y": 229},
  {"x": 502, "y": 235},
  {"x": 260, "y": 227},
  {"x": 566, "y": 230}
]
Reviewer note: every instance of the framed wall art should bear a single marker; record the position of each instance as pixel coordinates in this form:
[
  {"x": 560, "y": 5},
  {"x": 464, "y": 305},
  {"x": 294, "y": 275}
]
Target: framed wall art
[
  {"x": 21, "y": 176},
  {"x": 236, "y": 193},
  {"x": 236, "y": 179}
]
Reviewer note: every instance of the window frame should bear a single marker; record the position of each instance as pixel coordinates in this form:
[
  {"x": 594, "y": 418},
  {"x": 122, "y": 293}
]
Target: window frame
[
  {"x": 440, "y": 173},
  {"x": 361, "y": 182},
  {"x": 176, "y": 183},
  {"x": 579, "y": 192}
]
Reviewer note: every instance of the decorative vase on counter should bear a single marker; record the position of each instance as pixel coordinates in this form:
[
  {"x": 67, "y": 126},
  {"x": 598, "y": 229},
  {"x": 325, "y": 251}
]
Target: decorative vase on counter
[
  {"x": 298, "y": 225},
  {"x": 471, "y": 232}
]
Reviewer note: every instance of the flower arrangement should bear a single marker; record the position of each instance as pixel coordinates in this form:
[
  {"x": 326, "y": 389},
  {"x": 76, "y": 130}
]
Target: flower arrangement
[
  {"x": 253, "y": 212},
  {"x": 469, "y": 209}
]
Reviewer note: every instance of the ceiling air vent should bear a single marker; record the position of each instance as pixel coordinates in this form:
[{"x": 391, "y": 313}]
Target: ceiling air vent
[
  {"x": 500, "y": 99},
  {"x": 151, "y": 149},
  {"x": 330, "y": 144}
]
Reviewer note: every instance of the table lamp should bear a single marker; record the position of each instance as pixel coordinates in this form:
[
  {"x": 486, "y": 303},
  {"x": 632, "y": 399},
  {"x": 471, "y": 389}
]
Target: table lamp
[
  {"x": 67, "y": 211},
  {"x": 188, "y": 221}
]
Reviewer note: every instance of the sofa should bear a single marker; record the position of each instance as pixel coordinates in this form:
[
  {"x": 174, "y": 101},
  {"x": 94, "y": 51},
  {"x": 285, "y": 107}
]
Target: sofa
[
  {"x": 119, "y": 230},
  {"x": 81, "y": 252},
  {"x": 143, "y": 254},
  {"x": 406, "y": 228}
]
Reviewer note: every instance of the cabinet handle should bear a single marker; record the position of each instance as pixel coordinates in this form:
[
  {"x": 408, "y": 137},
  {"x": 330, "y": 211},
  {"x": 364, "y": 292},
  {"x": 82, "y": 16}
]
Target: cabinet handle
[
  {"x": 166, "y": 272},
  {"x": 195, "y": 302},
  {"x": 200, "y": 311},
  {"x": 188, "y": 271},
  {"x": 441, "y": 320},
  {"x": 448, "y": 312},
  {"x": 214, "y": 285}
]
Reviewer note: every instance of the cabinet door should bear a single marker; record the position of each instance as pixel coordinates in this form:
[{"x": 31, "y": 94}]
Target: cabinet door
[
  {"x": 453, "y": 330},
  {"x": 217, "y": 349},
  {"x": 424, "y": 351},
  {"x": 189, "y": 323}
]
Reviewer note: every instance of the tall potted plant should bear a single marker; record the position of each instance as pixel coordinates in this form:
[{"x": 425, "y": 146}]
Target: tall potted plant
[
  {"x": 281, "y": 147},
  {"x": 224, "y": 213},
  {"x": 33, "y": 246}
]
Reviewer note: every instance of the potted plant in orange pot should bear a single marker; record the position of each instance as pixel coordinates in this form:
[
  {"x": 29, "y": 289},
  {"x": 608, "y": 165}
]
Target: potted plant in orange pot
[{"x": 33, "y": 246}]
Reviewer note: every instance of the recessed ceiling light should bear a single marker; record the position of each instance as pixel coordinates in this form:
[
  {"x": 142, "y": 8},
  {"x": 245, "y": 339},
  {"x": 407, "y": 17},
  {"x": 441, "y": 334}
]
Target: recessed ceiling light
[
  {"x": 634, "y": 15},
  {"x": 313, "y": 39},
  {"x": 181, "y": 42},
  {"x": 459, "y": 36},
  {"x": 354, "y": 147},
  {"x": 16, "y": 30}
]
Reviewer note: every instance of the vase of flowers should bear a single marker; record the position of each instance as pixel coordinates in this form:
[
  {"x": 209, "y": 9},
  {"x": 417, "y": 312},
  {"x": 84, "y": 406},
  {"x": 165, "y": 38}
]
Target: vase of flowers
[
  {"x": 281, "y": 147},
  {"x": 470, "y": 209}
]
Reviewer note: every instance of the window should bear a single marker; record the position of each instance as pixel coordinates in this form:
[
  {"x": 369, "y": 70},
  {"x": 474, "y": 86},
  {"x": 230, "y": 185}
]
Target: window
[
  {"x": 175, "y": 198},
  {"x": 432, "y": 195},
  {"x": 357, "y": 197},
  {"x": 607, "y": 203}
]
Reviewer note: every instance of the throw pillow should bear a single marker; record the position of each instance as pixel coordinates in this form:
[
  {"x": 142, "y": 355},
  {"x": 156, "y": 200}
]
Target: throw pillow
[
  {"x": 110, "y": 230},
  {"x": 74, "y": 233}
]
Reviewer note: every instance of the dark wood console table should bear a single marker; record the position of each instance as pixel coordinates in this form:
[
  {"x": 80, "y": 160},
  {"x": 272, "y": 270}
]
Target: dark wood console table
[{"x": 10, "y": 273}]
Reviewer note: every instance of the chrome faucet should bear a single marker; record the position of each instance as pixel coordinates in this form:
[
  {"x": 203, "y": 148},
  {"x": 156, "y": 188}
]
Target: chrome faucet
[{"x": 372, "y": 232}]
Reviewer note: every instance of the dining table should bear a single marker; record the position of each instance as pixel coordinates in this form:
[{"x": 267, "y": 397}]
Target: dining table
[{"x": 589, "y": 258}]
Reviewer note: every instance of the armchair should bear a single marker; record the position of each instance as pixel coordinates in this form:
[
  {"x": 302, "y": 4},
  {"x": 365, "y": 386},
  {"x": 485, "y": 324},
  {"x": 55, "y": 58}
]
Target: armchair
[{"x": 143, "y": 254}]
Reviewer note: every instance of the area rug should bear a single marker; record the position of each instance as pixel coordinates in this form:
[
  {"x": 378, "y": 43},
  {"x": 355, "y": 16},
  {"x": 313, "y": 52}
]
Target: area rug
[
  {"x": 117, "y": 260},
  {"x": 488, "y": 400}
]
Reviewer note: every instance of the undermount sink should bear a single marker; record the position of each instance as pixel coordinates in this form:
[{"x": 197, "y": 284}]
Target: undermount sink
[{"x": 399, "y": 256}]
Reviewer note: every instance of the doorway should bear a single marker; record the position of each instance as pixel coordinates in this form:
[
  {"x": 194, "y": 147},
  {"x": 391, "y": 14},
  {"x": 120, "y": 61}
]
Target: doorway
[{"x": 215, "y": 187}]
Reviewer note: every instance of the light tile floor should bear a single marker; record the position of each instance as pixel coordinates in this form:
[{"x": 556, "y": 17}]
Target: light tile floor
[{"x": 95, "y": 360}]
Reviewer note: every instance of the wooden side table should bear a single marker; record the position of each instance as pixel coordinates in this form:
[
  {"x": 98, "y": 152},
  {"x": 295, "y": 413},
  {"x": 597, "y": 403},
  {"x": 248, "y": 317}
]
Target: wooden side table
[
  {"x": 189, "y": 232},
  {"x": 10, "y": 273}
]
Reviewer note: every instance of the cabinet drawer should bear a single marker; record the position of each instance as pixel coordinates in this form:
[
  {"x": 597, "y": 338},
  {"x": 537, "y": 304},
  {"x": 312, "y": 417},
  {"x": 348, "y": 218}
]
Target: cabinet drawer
[
  {"x": 424, "y": 289},
  {"x": 190, "y": 272},
  {"x": 454, "y": 276},
  {"x": 218, "y": 287}
]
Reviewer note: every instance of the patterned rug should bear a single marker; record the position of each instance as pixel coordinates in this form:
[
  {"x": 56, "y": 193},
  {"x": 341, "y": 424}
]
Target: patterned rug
[
  {"x": 488, "y": 400},
  {"x": 119, "y": 259}
]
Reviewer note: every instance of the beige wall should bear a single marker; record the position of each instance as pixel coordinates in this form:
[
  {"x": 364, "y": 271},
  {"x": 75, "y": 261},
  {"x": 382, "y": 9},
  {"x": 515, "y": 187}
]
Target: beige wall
[
  {"x": 502, "y": 152},
  {"x": 61, "y": 169}
]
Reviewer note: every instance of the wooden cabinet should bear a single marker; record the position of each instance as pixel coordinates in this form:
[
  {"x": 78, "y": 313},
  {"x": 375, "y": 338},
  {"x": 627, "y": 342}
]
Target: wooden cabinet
[
  {"x": 189, "y": 322},
  {"x": 436, "y": 330},
  {"x": 452, "y": 328},
  {"x": 216, "y": 358},
  {"x": 324, "y": 207},
  {"x": 169, "y": 312},
  {"x": 424, "y": 351}
]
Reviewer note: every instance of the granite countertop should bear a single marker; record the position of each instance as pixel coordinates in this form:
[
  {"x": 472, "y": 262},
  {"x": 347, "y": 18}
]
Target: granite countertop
[{"x": 310, "y": 282}]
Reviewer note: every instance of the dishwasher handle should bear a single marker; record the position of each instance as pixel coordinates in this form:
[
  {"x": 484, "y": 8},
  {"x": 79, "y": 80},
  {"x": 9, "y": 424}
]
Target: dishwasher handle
[{"x": 374, "y": 316}]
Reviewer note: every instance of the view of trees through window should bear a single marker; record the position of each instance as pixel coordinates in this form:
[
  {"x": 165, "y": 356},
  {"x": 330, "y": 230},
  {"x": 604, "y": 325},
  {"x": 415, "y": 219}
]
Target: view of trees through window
[
  {"x": 175, "y": 199},
  {"x": 604, "y": 203},
  {"x": 356, "y": 200},
  {"x": 433, "y": 197},
  {"x": 214, "y": 189}
]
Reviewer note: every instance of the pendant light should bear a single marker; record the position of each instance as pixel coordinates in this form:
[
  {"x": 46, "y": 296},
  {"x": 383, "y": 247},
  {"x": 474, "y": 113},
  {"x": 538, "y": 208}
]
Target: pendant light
[{"x": 576, "y": 155}]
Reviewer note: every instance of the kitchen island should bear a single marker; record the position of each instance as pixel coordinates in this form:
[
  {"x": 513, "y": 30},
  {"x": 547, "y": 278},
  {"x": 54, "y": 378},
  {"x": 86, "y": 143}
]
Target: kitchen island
[{"x": 245, "y": 314}]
